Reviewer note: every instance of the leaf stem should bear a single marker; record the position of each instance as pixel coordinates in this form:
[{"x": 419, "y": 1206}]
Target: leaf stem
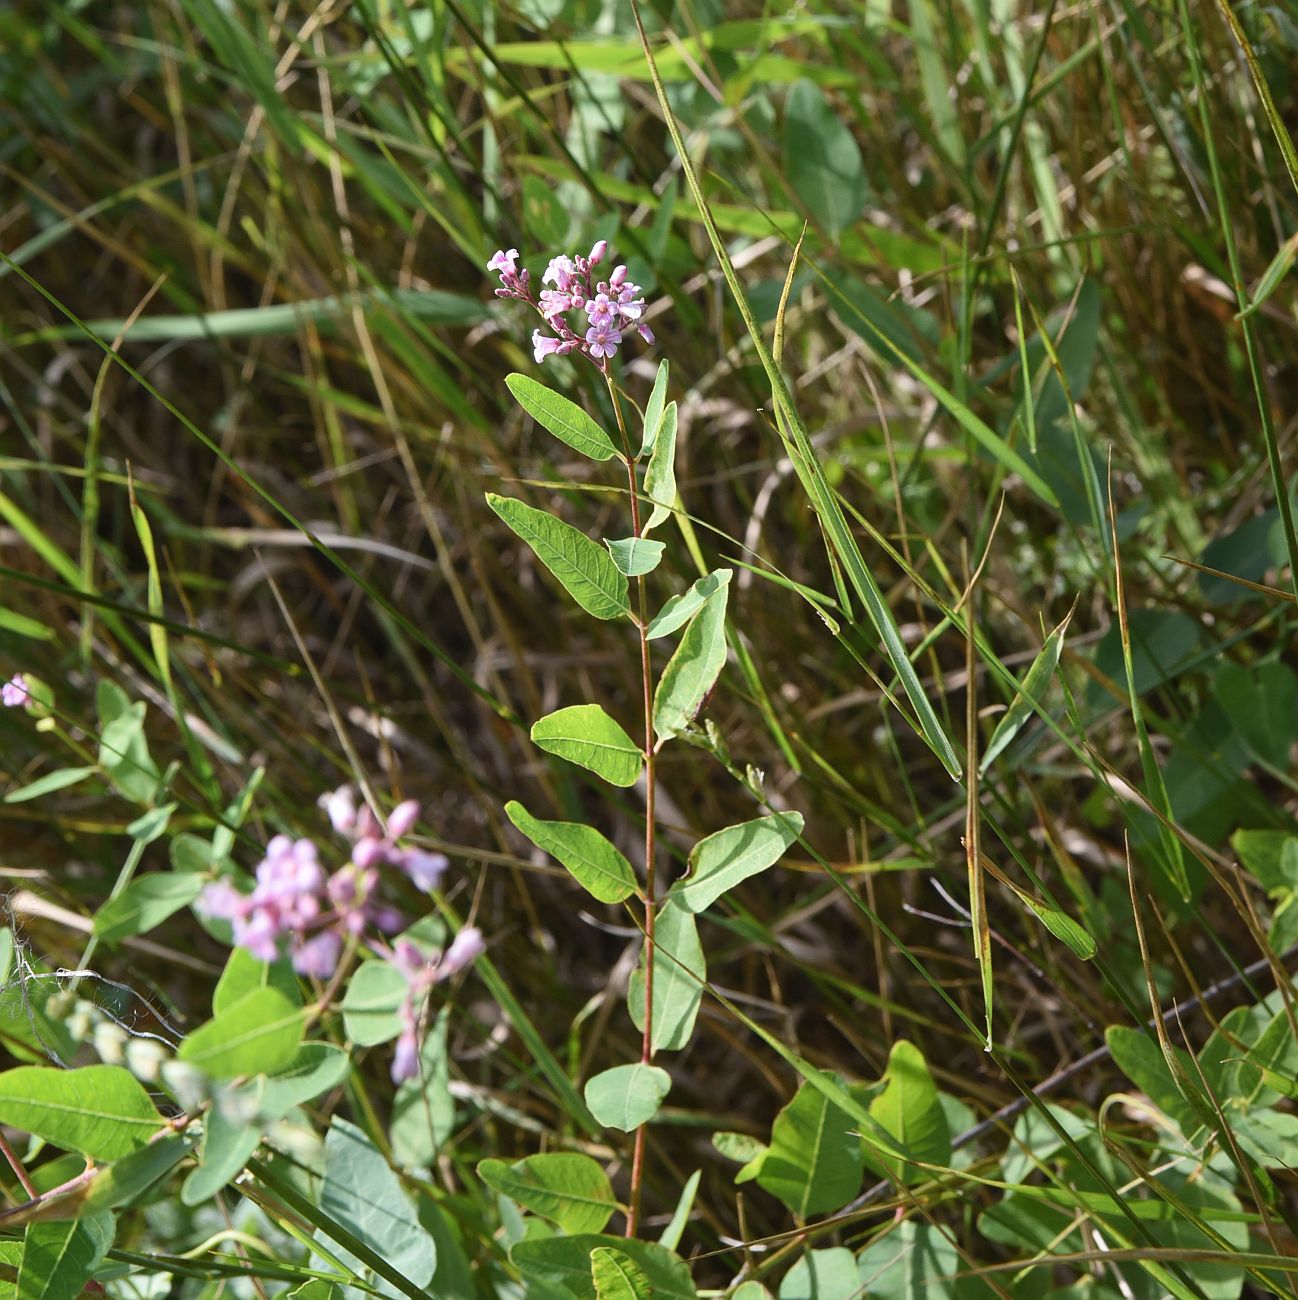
[{"x": 650, "y": 904}]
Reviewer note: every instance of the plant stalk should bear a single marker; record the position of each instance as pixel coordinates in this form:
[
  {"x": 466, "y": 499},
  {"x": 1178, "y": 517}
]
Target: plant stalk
[{"x": 650, "y": 904}]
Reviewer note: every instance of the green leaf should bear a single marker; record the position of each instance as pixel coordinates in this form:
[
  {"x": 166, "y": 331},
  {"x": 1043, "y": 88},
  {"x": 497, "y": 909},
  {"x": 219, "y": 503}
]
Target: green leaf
[
  {"x": 910, "y": 1110},
  {"x": 100, "y": 1111},
  {"x": 828, "y": 1274},
  {"x": 318, "y": 1288},
  {"x": 617, "y": 1276},
  {"x": 680, "y": 609},
  {"x": 51, "y": 781},
  {"x": 258, "y": 1034},
  {"x": 1265, "y": 855},
  {"x": 822, "y": 159},
  {"x": 593, "y": 862},
  {"x": 679, "y": 972},
  {"x": 740, "y": 1147},
  {"x": 1142, "y": 1061},
  {"x": 635, "y": 556},
  {"x": 693, "y": 670},
  {"x": 423, "y": 1111},
  {"x": 671, "y": 1235},
  {"x": 1280, "y": 266},
  {"x": 627, "y": 1095},
  {"x": 146, "y": 902},
  {"x": 570, "y": 1189},
  {"x": 728, "y": 856},
  {"x": 660, "y": 475},
  {"x": 124, "y": 751},
  {"x": 232, "y": 1132},
  {"x": 244, "y": 974},
  {"x": 1262, "y": 704},
  {"x": 362, "y": 1193},
  {"x": 910, "y": 1262},
  {"x": 584, "y": 568},
  {"x": 1029, "y": 695},
  {"x": 566, "y": 420},
  {"x": 653, "y": 410},
  {"x": 563, "y": 1265},
  {"x": 371, "y": 1003},
  {"x": 151, "y": 824},
  {"x": 128, "y": 1179},
  {"x": 584, "y": 734},
  {"x": 59, "y": 1258},
  {"x": 814, "y": 1162},
  {"x": 1059, "y": 923}
]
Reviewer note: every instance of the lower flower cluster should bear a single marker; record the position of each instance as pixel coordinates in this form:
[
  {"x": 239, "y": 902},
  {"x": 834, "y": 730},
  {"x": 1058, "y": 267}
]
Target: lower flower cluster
[{"x": 298, "y": 909}]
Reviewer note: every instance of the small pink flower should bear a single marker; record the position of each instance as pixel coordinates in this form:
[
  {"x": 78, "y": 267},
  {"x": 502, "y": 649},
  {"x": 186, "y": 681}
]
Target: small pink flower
[
  {"x": 405, "y": 1062},
  {"x": 602, "y": 340},
  {"x": 340, "y": 806},
  {"x": 14, "y": 693},
  {"x": 465, "y": 949},
  {"x": 402, "y": 819},
  {"x": 505, "y": 263},
  {"x": 542, "y": 346},
  {"x": 318, "y": 956},
  {"x": 424, "y": 869}
]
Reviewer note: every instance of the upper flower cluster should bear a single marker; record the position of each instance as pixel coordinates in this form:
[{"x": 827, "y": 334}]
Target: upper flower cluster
[
  {"x": 299, "y": 908},
  {"x": 611, "y": 306}
]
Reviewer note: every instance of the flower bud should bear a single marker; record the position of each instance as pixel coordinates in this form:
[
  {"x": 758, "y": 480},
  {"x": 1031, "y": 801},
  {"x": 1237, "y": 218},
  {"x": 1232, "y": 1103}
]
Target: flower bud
[
  {"x": 403, "y": 819},
  {"x": 597, "y": 252}
]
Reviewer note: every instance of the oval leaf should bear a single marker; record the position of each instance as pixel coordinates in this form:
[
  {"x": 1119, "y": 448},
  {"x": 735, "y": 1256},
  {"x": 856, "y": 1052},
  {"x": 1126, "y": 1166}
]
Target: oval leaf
[
  {"x": 726, "y": 857},
  {"x": 570, "y": 1189},
  {"x": 584, "y": 734},
  {"x": 371, "y": 1003},
  {"x": 680, "y": 609},
  {"x": 617, "y": 1276},
  {"x": 679, "y": 972},
  {"x": 660, "y": 476},
  {"x": 584, "y": 567},
  {"x": 822, "y": 159},
  {"x": 635, "y": 556},
  {"x": 566, "y": 420},
  {"x": 593, "y": 862},
  {"x": 259, "y": 1034},
  {"x": 145, "y": 903},
  {"x": 693, "y": 670},
  {"x": 100, "y": 1111},
  {"x": 627, "y": 1095}
]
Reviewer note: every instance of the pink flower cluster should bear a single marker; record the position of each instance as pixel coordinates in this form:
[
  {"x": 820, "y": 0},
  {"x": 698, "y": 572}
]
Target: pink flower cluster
[
  {"x": 299, "y": 908},
  {"x": 422, "y": 972},
  {"x": 611, "y": 306},
  {"x": 14, "y": 693}
]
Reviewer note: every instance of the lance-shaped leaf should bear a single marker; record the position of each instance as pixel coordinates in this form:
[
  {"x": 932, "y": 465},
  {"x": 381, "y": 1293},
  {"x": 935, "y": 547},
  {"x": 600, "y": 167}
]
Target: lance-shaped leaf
[
  {"x": 1029, "y": 695},
  {"x": 627, "y": 1095},
  {"x": 584, "y": 734},
  {"x": 100, "y": 1111},
  {"x": 566, "y": 420},
  {"x": 147, "y": 902},
  {"x": 660, "y": 476},
  {"x": 680, "y": 609},
  {"x": 593, "y": 862},
  {"x": 569, "y": 1188},
  {"x": 693, "y": 670},
  {"x": 635, "y": 556},
  {"x": 679, "y": 972},
  {"x": 584, "y": 567},
  {"x": 728, "y": 856},
  {"x": 653, "y": 410}
]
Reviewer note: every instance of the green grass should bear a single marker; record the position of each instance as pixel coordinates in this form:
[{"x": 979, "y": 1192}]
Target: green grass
[{"x": 1011, "y": 347}]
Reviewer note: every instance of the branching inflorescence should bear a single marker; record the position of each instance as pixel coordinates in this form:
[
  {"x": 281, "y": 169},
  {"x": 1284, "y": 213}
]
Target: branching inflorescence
[
  {"x": 297, "y": 908},
  {"x": 613, "y": 307}
]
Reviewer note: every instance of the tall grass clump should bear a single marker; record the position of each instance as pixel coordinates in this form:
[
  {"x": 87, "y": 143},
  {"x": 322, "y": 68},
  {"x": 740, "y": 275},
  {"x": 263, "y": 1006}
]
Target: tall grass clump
[{"x": 646, "y": 650}]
